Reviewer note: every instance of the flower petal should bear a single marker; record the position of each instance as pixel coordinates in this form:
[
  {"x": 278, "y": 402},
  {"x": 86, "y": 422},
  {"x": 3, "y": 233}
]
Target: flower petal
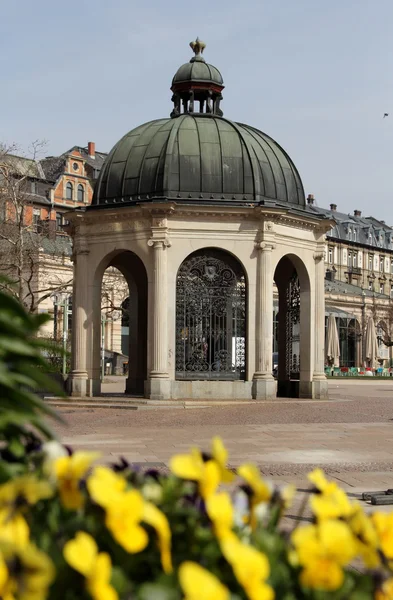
[
  {"x": 81, "y": 552},
  {"x": 199, "y": 584}
]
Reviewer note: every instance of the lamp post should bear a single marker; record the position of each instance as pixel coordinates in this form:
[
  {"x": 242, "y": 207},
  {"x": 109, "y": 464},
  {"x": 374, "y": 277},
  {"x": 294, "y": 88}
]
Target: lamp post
[{"x": 61, "y": 300}]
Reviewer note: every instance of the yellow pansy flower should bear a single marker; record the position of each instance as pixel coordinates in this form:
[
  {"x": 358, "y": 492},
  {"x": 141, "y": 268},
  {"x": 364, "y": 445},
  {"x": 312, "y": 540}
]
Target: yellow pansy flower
[
  {"x": 191, "y": 466},
  {"x": 210, "y": 479},
  {"x": 26, "y": 489},
  {"x": 261, "y": 490},
  {"x": 156, "y": 519},
  {"x": 104, "y": 485},
  {"x": 383, "y": 524},
  {"x": 317, "y": 477},
  {"x": 220, "y": 455},
  {"x": 15, "y": 495},
  {"x": 123, "y": 519},
  {"x": 69, "y": 471},
  {"x": 221, "y": 513},
  {"x": 333, "y": 503},
  {"x": 188, "y": 466},
  {"x": 3, "y": 577},
  {"x": 366, "y": 536},
  {"x": 30, "y": 573},
  {"x": 199, "y": 584},
  {"x": 322, "y": 574},
  {"x": 13, "y": 528},
  {"x": 250, "y": 566},
  {"x": 323, "y": 550},
  {"x": 82, "y": 554}
]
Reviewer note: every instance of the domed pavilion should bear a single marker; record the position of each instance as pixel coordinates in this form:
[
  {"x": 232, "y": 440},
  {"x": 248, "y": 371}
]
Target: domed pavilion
[{"x": 207, "y": 220}]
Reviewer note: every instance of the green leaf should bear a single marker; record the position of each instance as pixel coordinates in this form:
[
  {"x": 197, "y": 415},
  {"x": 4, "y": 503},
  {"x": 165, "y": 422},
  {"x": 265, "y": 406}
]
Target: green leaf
[{"x": 157, "y": 591}]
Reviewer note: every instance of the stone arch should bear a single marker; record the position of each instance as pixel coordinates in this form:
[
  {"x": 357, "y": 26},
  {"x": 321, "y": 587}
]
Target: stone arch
[
  {"x": 349, "y": 335},
  {"x": 184, "y": 253},
  {"x": 132, "y": 267},
  {"x": 211, "y": 316},
  {"x": 295, "y": 341}
]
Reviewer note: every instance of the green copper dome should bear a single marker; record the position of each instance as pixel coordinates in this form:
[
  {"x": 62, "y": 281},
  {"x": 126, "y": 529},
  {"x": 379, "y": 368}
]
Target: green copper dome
[
  {"x": 198, "y": 71},
  {"x": 198, "y": 158}
]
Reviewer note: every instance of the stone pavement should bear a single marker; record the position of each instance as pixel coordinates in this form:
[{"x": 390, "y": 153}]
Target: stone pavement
[{"x": 350, "y": 436}]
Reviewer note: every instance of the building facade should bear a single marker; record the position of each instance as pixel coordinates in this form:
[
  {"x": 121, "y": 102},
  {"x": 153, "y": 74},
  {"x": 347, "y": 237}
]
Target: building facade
[{"x": 359, "y": 280}]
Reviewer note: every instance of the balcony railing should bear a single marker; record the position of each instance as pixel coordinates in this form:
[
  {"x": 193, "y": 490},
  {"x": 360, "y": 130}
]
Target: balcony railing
[{"x": 354, "y": 270}]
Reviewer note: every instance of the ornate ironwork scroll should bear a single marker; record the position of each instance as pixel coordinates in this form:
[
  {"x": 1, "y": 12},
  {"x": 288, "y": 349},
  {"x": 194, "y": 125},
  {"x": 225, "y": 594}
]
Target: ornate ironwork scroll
[
  {"x": 292, "y": 357},
  {"x": 210, "y": 318}
]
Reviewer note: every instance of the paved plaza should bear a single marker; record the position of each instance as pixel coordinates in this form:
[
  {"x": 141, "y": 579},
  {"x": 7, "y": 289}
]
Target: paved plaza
[{"x": 350, "y": 436}]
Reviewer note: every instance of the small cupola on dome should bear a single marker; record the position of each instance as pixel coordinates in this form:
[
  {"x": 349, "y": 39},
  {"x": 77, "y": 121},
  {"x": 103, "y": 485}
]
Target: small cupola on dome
[{"x": 197, "y": 86}]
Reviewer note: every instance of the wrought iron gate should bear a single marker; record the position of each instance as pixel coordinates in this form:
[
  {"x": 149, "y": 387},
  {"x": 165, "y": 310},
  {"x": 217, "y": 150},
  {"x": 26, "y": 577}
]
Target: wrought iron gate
[
  {"x": 292, "y": 350},
  {"x": 210, "y": 318}
]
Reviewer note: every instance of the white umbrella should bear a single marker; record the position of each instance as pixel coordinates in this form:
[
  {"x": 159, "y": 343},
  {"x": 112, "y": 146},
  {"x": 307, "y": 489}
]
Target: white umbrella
[
  {"x": 332, "y": 343},
  {"x": 371, "y": 342}
]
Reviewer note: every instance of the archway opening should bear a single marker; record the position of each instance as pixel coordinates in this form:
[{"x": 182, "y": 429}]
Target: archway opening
[
  {"x": 350, "y": 342},
  {"x": 120, "y": 321},
  {"x": 292, "y": 331},
  {"x": 383, "y": 351},
  {"x": 211, "y": 317}
]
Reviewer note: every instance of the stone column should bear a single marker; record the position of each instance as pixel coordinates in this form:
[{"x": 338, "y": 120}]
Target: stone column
[
  {"x": 264, "y": 387},
  {"x": 320, "y": 384},
  {"x": 77, "y": 378},
  {"x": 159, "y": 377}
]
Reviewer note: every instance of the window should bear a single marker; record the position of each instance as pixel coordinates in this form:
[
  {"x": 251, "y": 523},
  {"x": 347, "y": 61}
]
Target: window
[
  {"x": 381, "y": 264},
  {"x": 350, "y": 234},
  {"x": 355, "y": 259},
  {"x": 354, "y": 235},
  {"x": 81, "y": 193},
  {"x": 381, "y": 288},
  {"x": 59, "y": 221},
  {"x": 370, "y": 284},
  {"x": 391, "y": 290},
  {"x": 330, "y": 255},
  {"x": 370, "y": 237},
  {"x": 69, "y": 191},
  {"x": 349, "y": 259},
  {"x": 33, "y": 187},
  {"x": 391, "y": 265},
  {"x": 370, "y": 262},
  {"x": 36, "y": 217}
]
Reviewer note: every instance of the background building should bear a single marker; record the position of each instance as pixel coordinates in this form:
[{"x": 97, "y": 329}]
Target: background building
[
  {"x": 359, "y": 280},
  {"x": 358, "y": 253}
]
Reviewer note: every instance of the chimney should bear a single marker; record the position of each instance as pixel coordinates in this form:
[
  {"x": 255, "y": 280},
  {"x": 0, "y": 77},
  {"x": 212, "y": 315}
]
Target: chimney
[
  {"x": 310, "y": 199},
  {"x": 333, "y": 207},
  {"x": 91, "y": 149},
  {"x": 357, "y": 213},
  {"x": 383, "y": 222}
]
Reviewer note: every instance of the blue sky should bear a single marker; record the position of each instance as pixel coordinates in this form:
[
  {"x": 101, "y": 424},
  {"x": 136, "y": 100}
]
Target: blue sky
[{"x": 316, "y": 75}]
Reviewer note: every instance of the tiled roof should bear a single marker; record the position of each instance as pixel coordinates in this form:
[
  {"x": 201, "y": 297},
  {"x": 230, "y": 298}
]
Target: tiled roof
[
  {"x": 354, "y": 228},
  {"x": 340, "y": 287}
]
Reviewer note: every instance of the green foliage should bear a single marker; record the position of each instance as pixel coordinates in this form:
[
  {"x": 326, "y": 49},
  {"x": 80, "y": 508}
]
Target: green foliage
[{"x": 23, "y": 370}]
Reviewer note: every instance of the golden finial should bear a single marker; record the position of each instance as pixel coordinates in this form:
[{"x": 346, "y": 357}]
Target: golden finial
[{"x": 198, "y": 46}]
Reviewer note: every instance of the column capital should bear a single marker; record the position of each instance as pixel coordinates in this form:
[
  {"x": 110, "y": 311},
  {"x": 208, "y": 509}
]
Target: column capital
[
  {"x": 159, "y": 243},
  {"x": 318, "y": 256},
  {"x": 80, "y": 246},
  {"x": 264, "y": 246}
]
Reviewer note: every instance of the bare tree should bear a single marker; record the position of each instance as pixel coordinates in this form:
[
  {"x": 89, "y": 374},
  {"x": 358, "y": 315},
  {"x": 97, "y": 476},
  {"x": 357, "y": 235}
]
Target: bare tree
[
  {"x": 114, "y": 292},
  {"x": 29, "y": 255}
]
